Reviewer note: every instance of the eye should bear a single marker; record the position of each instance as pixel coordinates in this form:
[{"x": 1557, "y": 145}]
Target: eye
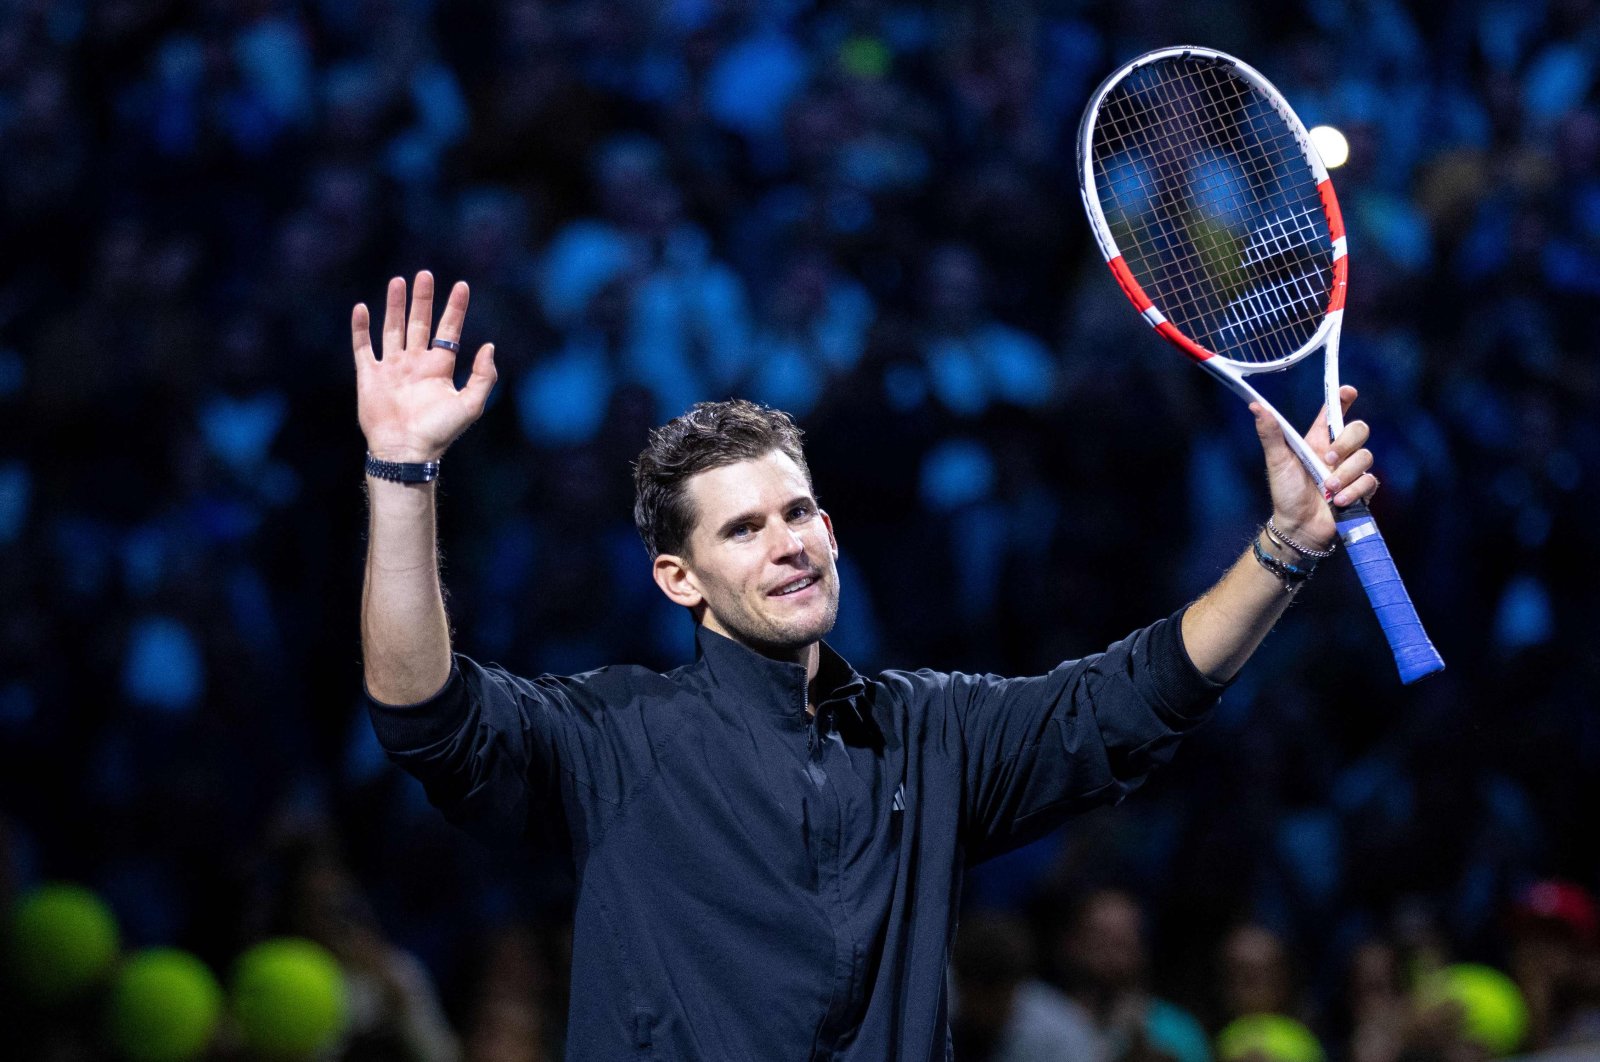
[
  {"x": 742, "y": 531},
  {"x": 800, "y": 512}
]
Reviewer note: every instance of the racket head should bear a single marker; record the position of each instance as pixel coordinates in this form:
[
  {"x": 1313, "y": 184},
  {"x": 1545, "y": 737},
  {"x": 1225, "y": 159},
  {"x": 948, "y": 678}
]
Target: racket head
[{"x": 1213, "y": 209}]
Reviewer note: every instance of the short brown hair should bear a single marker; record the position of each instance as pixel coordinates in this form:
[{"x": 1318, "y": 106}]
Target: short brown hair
[{"x": 710, "y": 435}]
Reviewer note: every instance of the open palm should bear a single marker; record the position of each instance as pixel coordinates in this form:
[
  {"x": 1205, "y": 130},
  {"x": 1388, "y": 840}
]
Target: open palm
[{"x": 407, "y": 400}]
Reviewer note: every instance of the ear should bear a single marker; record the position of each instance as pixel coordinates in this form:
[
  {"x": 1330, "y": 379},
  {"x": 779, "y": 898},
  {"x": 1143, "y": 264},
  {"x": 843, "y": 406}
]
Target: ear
[
  {"x": 827, "y": 521},
  {"x": 671, "y": 573}
]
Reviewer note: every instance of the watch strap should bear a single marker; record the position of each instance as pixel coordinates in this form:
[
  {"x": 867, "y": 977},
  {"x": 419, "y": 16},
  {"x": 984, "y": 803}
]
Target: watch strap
[{"x": 402, "y": 471}]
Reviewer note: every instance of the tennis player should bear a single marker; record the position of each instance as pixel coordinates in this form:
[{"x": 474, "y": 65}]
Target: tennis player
[{"x": 768, "y": 846}]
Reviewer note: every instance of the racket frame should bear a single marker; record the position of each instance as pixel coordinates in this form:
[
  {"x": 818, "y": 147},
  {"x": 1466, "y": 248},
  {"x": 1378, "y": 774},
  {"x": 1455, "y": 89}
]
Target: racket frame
[
  {"x": 1231, "y": 373},
  {"x": 1414, "y": 653}
]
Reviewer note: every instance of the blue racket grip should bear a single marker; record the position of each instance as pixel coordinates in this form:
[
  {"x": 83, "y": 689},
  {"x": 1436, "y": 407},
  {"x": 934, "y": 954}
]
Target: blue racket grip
[{"x": 1414, "y": 654}]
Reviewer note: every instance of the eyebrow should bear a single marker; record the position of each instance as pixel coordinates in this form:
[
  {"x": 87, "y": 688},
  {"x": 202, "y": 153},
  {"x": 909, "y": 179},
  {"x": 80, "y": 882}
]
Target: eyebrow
[{"x": 754, "y": 515}]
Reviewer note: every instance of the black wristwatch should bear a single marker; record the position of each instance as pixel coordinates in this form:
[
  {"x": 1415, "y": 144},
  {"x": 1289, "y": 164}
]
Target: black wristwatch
[{"x": 401, "y": 471}]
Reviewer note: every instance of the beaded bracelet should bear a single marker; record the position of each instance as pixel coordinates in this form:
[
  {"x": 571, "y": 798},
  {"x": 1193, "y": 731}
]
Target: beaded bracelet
[
  {"x": 1288, "y": 574},
  {"x": 1304, "y": 551}
]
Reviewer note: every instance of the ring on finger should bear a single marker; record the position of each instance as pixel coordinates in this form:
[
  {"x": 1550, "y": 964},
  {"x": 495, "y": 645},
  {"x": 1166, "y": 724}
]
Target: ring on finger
[{"x": 448, "y": 344}]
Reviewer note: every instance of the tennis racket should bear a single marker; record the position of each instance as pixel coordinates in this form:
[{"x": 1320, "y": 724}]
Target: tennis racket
[{"x": 1218, "y": 220}]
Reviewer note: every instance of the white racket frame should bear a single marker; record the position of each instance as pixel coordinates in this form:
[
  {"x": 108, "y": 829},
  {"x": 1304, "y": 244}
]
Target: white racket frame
[{"x": 1231, "y": 372}]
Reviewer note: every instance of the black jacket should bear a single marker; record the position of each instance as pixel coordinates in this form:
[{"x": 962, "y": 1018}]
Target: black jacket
[{"x": 753, "y": 885}]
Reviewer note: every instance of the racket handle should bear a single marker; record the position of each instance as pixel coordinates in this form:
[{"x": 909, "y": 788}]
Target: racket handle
[{"x": 1414, "y": 654}]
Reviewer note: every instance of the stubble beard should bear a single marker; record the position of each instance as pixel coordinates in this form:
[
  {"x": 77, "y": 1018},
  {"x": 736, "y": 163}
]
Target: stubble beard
[{"x": 770, "y": 634}]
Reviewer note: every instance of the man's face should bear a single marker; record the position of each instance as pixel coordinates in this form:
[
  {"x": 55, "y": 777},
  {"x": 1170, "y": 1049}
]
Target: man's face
[
  {"x": 1108, "y": 945},
  {"x": 760, "y": 556},
  {"x": 1255, "y": 972}
]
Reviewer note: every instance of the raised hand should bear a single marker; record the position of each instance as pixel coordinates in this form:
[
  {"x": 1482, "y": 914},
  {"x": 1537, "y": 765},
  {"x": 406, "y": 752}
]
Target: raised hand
[
  {"x": 1300, "y": 507},
  {"x": 407, "y": 401}
]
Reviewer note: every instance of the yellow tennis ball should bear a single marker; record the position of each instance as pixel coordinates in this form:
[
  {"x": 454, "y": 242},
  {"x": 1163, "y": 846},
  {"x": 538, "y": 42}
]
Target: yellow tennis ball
[
  {"x": 63, "y": 939},
  {"x": 1270, "y": 1036},
  {"x": 1493, "y": 1013},
  {"x": 165, "y": 1006},
  {"x": 288, "y": 998}
]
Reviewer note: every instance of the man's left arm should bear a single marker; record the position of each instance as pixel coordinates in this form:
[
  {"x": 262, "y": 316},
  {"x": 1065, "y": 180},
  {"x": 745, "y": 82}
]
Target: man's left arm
[
  {"x": 1225, "y": 625},
  {"x": 1034, "y": 750}
]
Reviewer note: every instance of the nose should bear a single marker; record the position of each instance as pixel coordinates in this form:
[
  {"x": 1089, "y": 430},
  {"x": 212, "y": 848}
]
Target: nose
[{"x": 786, "y": 543}]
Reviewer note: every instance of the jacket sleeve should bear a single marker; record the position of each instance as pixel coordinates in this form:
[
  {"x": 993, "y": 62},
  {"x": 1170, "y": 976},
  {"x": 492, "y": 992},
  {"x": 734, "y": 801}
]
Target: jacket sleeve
[
  {"x": 510, "y": 758},
  {"x": 1089, "y": 732}
]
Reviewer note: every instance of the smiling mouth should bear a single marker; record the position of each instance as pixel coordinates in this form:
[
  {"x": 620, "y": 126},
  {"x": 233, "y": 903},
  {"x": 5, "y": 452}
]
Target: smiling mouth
[{"x": 795, "y": 586}]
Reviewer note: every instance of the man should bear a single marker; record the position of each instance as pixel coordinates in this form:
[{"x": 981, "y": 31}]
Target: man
[
  {"x": 1002, "y": 1011},
  {"x": 768, "y": 847},
  {"x": 1100, "y": 957}
]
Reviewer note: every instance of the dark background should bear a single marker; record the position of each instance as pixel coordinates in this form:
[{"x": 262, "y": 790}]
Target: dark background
[{"x": 866, "y": 213}]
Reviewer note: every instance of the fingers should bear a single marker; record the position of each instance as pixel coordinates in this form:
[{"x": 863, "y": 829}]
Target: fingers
[
  {"x": 1270, "y": 434},
  {"x": 421, "y": 323},
  {"x": 1320, "y": 432},
  {"x": 1345, "y": 485},
  {"x": 1353, "y": 438},
  {"x": 481, "y": 382},
  {"x": 361, "y": 335},
  {"x": 1364, "y": 487},
  {"x": 1348, "y": 457},
  {"x": 454, "y": 318},
  {"x": 402, "y": 331},
  {"x": 394, "y": 317},
  {"x": 1317, "y": 434}
]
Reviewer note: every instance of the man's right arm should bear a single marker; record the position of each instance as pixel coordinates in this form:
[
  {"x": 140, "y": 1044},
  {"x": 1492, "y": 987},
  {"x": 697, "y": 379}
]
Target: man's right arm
[
  {"x": 405, "y": 635},
  {"x": 410, "y": 411}
]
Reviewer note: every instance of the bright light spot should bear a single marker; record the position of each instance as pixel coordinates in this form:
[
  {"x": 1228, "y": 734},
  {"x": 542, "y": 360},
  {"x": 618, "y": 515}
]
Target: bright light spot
[{"x": 1331, "y": 145}]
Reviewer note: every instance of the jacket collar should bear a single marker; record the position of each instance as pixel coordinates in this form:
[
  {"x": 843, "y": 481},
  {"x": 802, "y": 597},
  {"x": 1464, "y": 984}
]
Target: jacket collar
[{"x": 776, "y": 685}]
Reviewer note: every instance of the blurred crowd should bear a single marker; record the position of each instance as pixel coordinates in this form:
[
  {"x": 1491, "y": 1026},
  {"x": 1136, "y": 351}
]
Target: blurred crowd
[{"x": 864, "y": 212}]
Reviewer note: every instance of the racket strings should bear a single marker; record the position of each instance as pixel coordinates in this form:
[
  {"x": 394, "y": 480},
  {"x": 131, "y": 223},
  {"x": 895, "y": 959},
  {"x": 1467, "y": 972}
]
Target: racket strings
[
  {"x": 1211, "y": 124},
  {"x": 1185, "y": 122},
  {"x": 1218, "y": 215},
  {"x": 1300, "y": 291},
  {"x": 1214, "y": 121}
]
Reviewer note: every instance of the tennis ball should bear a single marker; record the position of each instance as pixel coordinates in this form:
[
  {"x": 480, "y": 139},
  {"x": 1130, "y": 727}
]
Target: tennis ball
[
  {"x": 1270, "y": 1036},
  {"x": 165, "y": 1005},
  {"x": 63, "y": 939},
  {"x": 1493, "y": 1013},
  {"x": 288, "y": 998}
]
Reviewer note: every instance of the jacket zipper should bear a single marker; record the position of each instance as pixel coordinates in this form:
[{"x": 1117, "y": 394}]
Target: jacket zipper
[
  {"x": 810, "y": 730},
  {"x": 811, "y": 722}
]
